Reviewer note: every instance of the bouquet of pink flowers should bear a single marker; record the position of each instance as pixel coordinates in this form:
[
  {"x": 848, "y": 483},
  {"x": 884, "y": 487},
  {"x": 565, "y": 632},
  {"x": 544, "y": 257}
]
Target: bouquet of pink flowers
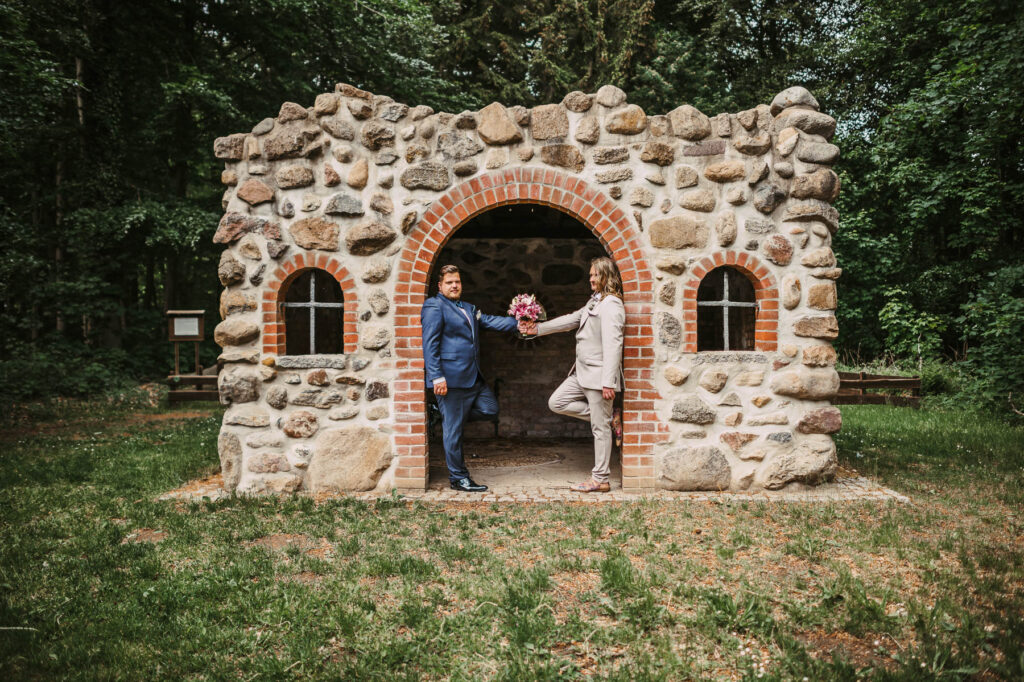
[{"x": 526, "y": 307}]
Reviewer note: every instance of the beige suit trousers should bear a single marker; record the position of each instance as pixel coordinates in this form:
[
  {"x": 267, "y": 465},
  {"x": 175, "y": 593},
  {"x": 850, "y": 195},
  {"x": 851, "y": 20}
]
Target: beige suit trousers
[{"x": 588, "y": 404}]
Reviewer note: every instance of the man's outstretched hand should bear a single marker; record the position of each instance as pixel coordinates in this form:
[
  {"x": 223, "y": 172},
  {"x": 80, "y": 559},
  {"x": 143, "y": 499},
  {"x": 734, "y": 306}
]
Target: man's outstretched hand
[{"x": 527, "y": 327}]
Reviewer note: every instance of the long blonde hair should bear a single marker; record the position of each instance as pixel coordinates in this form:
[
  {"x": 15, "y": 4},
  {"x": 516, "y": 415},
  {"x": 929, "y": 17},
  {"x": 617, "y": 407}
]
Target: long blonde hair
[{"x": 607, "y": 277}]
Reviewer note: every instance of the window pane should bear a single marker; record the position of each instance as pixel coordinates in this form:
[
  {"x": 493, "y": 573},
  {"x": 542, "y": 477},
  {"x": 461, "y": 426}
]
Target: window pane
[
  {"x": 709, "y": 328},
  {"x": 298, "y": 290},
  {"x": 296, "y": 325},
  {"x": 329, "y": 330},
  {"x": 327, "y": 289},
  {"x": 741, "y": 328},
  {"x": 712, "y": 287},
  {"x": 740, "y": 288}
]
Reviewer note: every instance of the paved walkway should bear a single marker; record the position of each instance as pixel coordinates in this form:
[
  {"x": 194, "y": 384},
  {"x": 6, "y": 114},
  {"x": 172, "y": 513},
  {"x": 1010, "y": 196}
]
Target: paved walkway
[{"x": 542, "y": 471}]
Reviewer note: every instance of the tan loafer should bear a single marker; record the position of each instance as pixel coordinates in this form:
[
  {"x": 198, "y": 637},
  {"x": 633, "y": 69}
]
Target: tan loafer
[{"x": 591, "y": 486}]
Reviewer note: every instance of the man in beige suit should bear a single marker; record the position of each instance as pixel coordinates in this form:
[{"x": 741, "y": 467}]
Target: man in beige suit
[{"x": 589, "y": 390}]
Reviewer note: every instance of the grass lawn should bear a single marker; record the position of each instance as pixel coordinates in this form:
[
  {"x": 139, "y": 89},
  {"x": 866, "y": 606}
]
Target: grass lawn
[{"x": 101, "y": 581}]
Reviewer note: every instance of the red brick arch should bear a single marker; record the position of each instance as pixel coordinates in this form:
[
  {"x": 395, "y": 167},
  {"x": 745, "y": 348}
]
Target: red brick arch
[
  {"x": 766, "y": 326},
  {"x": 277, "y": 284},
  {"x": 561, "y": 191}
]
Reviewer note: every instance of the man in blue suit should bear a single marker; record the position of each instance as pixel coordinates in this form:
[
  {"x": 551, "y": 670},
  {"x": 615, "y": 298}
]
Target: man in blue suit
[{"x": 451, "y": 353}]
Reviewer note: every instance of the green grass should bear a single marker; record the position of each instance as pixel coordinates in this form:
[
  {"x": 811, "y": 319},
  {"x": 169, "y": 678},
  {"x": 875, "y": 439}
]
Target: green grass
[{"x": 279, "y": 588}]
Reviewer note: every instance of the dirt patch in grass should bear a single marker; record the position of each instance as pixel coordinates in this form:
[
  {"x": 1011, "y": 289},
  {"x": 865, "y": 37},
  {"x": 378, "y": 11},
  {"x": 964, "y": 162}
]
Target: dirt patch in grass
[
  {"x": 145, "y": 535},
  {"x": 858, "y": 651}
]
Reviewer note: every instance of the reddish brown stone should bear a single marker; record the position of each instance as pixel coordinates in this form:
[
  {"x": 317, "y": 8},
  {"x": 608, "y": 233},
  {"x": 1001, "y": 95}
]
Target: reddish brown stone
[
  {"x": 822, "y": 420},
  {"x": 778, "y": 249},
  {"x": 254, "y": 192},
  {"x": 736, "y": 440}
]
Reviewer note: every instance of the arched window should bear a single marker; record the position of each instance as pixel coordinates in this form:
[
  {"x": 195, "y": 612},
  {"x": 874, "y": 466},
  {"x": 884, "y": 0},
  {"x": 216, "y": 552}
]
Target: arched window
[
  {"x": 314, "y": 314},
  {"x": 726, "y": 311}
]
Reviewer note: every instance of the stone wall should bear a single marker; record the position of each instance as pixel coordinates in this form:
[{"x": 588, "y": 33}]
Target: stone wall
[{"x": 370, "y": 190}]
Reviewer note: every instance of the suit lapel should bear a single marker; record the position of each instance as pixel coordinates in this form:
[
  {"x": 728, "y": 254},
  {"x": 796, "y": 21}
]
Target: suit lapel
[{"x": 465, "y": 317}]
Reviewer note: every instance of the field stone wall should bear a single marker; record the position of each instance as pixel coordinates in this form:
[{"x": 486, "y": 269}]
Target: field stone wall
[{"x": 344, "y": 184}]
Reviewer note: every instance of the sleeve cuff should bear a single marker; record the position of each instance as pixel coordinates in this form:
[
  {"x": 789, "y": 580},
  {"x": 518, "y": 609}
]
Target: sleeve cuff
[{"x": 438, "y": 380}]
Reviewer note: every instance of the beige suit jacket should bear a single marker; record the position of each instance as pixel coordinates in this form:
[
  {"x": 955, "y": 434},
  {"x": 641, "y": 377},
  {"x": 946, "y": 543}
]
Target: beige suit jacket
[{"x": 598, "y": 341}]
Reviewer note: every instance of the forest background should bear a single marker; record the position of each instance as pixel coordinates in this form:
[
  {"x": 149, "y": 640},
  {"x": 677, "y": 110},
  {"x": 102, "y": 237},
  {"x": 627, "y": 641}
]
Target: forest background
[{"x": 109, "y": 191}]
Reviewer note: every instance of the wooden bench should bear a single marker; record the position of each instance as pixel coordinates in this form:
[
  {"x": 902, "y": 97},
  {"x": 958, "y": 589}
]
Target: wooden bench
[
  {"x": 854, "y": 387},
  {"x": 187, "y": 387}
]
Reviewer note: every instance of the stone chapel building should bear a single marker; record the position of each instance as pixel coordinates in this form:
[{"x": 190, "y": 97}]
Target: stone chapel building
[{"x": 338, "y": 215}]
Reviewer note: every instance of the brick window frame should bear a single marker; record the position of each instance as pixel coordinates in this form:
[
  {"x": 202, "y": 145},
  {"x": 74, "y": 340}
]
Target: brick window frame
[
  {"x": 642, "y": 428},
  {"x": 766, "y": 293},
  {"x": 281, "y": 279}
]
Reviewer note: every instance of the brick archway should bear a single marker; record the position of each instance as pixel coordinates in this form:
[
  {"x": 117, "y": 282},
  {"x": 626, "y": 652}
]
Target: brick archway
[
  {"x": 766, "y": 293},
  {"x": 277, "y": 284},
  {"x": 563, "y": 192}
]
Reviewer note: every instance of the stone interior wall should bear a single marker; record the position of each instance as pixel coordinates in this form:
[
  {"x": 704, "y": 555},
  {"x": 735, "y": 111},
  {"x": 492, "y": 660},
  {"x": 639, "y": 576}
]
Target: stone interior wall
[
  {"x": 555, "y": 270},
  {"x": 345, "y": 184}
]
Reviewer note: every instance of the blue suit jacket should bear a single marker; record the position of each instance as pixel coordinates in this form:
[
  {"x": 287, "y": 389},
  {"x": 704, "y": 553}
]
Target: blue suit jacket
[{"x": 451, "y": 344}]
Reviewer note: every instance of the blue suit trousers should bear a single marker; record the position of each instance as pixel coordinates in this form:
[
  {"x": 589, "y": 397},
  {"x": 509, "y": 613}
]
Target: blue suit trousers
[{"x": 459, "y": 406}]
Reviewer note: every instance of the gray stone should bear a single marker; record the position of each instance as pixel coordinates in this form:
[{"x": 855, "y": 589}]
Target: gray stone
[
  {"x": 772, "y": 419},
  {"x": 610, "y": 96},
  {"x": 588, "y": 131},
  {"x": 702, "y": 200},
  {"x": 822, "y": 184},
  {"x": 429, "y": 175},
  {"x": 578, "y": 102},
  {"x": 234, "y": 226},
  {"x": 248, "y": 416},
  {"x": 455, "y": 147},
  {"x": 807, "y": 120},
  {"x": 674, "y": 265},
  {"x": 369, "y": 237},
  {"x": 268, "y": 463},
  {"x": 721, "y": 125},
  {"x": 277, "y": 397},
  {"x": 780, "y": 437},
  {"x": 344, "y": 204},
  {"x": 697, "y": 468},
  {"x": 285, "y": 209},
  {"x": 615, "y": 175},
  {"x": 784, "y": 169},
  {"x": 236, "y": 386},
  {"x": 379, "y": 301},
  {"x": 759, "y": 225},
  {"x": 818, "y": 152},
  {"x": 386, "y": 157},
  {"x": 806, "y": 384},
  {"x": 318, "y": 397},
  {"x": 290, "y": 177},
  {"x": 229, "y": 448},
  {"x": 678, "y": 232},
  {"x": 753, "y": 146},
  {"x": 375, "y": 390},
  {"x": 725, "y": 228},
  {"x": 256, "y": 278},
  {"x": 768, "y": 197},
  {"x": 791, "y": 97},
  {"x": 641, "y": 196},
  {"x": 817, "y": 326},
  {"x": 686, "y": 176},
  {"x": 349, "y": 459},
  {"x": 338, "y": 129},
  {"x": 549, "y": 121},
  {"x": 249, "y": 355},
  {"x": 692, "y": 410},
  {"x": 311, "y": 361},
  {"x": 230, "y": 270},
  {"x": 689, "y": 123},
  {"x": 730, "y": 400},
  {"x": 342, "y": 413},
  {"x": 609, "y": 155},
  {"x": 315, "y": 233},
  {"x": 712, "y": 148},
  {"x": 291, "y": 378},
  {"x": 235, "y": 332},
  {"x": 264, "y": 439},
  {"x": 375, "y": 135},
  {"x": 562, "y": 155},
  {"x": 667, "y": 294},
  {"x": 359, "y": 363},
  {"x": 393, "y": 112},
  {"x": 790, "y": 291},
  {"x": 375, "y": 337},
  {"x": 670, "y": 331},
  {"x": 263, "y": 127},
  {"x": 300, "y": 424},
  {"x": 376, "y": 270},
  {"x": 812, "y": 460}
]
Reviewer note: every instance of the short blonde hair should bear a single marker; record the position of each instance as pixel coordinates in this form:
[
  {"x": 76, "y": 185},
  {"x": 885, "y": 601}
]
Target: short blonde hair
[{"x": 608, "y": 280}]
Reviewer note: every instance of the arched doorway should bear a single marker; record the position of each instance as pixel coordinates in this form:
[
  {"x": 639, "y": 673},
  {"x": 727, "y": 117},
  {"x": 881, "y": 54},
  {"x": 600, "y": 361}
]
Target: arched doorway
[
  {"x": 507, "y": 250},
  {"x": 619, "y": 237}
]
